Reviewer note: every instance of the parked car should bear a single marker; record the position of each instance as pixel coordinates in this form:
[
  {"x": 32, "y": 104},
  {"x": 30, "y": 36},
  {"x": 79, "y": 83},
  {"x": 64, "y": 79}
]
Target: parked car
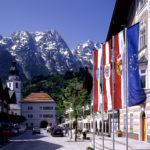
[
  {"x": 15, "y": 130},
  {"x": 52, "y": 128},
  {"x": 48, "y": 129},
  {"x": 7, "y": 131},
  {"x": 36, "y": 130},
  {"x": 22, "y": 128},
  {"x": 16, "y": 127},
  {"x": 57, "y": 132}
]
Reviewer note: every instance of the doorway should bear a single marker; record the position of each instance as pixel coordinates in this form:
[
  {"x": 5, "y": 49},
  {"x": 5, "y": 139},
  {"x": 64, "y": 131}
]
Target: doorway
[
  {"x": 143, "y": 127},
  {"x": 43, "y": 124}
]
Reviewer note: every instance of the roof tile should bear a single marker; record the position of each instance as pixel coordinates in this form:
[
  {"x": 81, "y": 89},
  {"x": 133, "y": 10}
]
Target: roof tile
[{"x": 38, "y": 97}]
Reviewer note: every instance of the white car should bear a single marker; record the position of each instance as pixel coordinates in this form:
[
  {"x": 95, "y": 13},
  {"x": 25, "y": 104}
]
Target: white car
[{"x": 36, "y": 130}]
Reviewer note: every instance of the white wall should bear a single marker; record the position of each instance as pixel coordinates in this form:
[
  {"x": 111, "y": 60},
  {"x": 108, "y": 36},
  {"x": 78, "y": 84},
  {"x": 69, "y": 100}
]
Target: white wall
[{"x": 36, "y": 120}]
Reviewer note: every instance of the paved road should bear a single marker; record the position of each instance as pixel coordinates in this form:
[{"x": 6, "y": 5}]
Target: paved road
[{"x": 44, "y": 141}]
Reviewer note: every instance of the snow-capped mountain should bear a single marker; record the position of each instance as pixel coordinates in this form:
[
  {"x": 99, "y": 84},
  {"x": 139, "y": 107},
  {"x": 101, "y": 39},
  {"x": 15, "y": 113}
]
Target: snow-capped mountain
[
  {"x": 43, "y": 53},
  {"x": 84, "y": 52}
]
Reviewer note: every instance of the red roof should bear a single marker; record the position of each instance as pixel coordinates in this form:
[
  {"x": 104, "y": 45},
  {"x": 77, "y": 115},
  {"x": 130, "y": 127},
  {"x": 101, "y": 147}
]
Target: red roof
[{"x": 38, "y": 97}]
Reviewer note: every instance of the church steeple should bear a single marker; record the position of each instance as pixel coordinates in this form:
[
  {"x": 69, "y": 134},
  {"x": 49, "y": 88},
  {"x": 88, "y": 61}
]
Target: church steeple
[
  {"x": 13, "y": 73},
  {"x": 13, "y": 69},
  {"x": 13, "y": 82}
]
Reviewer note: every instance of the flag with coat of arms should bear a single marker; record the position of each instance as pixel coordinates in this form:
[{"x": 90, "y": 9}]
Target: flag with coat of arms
[{"x": 97, "y": 67}]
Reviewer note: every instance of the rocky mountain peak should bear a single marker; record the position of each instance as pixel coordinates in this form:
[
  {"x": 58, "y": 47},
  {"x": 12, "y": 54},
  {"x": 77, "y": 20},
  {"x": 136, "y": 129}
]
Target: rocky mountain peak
[{"x": 43, "y": 53}]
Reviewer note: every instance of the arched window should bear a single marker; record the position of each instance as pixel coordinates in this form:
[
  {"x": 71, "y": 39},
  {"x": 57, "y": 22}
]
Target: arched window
[{"x": 142, "y": 36}]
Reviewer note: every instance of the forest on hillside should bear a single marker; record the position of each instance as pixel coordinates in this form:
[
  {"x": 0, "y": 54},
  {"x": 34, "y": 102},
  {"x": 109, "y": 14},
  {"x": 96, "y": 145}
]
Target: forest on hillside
[{"x": 55, "y": 84}]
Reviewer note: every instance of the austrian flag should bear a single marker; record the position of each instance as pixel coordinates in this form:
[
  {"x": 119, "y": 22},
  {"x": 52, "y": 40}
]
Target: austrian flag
[
  {"x": 97, "y": 64},
  {"x": 107, "y": 76},
  {"x": 120, "y": 71}
]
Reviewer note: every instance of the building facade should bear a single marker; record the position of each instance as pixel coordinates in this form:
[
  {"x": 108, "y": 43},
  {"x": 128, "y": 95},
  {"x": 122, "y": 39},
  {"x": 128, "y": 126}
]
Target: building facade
[
  {"x": 39, "y": 109},
  {"x": 127, "y": 14},
  {"x": 14, "y": 85}
]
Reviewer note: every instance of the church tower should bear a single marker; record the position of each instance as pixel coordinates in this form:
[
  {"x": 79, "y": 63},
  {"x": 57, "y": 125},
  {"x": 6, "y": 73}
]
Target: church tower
[{"x": 14, "y": 83}]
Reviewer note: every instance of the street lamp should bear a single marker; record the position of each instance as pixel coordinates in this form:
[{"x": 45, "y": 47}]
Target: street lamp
[{"x": 70, "y": 122}]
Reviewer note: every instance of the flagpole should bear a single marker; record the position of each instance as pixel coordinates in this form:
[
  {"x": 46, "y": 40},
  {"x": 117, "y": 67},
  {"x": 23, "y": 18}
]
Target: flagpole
[
  {"x": 93, "y": 114},
  {"x": 93, "y": 129},
  {"x": 126, "y": 88},
  {"x": 102, "y": 130},
  {"x": 113, "y": 82}
]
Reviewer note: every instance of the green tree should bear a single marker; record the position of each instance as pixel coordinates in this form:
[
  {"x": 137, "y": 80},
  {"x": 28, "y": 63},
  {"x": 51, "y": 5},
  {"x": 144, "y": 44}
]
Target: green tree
[
  {"x": 12, "y": 118},
  {"x": 76, "y": 97},
  {"x": 54, "y": 85}
]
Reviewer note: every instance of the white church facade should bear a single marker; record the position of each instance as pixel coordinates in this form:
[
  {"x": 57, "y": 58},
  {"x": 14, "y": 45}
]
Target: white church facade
[{"x": 14, "y": 85}]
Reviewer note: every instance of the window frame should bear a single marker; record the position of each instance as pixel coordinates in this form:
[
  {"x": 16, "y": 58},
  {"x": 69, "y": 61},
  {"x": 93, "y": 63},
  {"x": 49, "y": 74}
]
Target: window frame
[
  {"x": 30, "y": 107},
  {"x": 10, "y": 84},
  {"x": 143, "y": 74},
  {"x": 17, "y": 86},
  {"x": 142, "y": 35},
  {"x": 141, "y": 4}
]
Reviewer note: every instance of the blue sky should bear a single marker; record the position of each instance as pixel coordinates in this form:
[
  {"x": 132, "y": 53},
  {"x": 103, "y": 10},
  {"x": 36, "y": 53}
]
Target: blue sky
[{"x": 75, "y": 20}]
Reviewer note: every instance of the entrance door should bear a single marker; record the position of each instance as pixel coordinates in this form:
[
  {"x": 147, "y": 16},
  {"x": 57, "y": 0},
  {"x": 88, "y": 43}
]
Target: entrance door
[
  {"x": 43, "y": 124},
  {"x": 143, "y": 127}
]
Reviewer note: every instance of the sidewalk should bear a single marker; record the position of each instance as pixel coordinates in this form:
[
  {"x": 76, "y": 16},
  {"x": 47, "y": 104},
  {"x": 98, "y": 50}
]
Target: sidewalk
[{"x": 120, "y": 143}]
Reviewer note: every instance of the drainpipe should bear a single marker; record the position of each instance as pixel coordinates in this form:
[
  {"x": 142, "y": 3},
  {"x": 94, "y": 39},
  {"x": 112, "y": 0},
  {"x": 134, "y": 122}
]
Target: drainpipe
[{"x": 148, "y": 48}]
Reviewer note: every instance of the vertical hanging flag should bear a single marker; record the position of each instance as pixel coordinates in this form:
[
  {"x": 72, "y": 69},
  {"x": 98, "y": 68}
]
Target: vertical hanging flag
[
  {"x": 95, "y": 81},
  {"x": 120, "y": 71},
  {"x": 107, "y": 76},
  {"x": 97, "y": 65},
  {"x": 136, "y": 93}
]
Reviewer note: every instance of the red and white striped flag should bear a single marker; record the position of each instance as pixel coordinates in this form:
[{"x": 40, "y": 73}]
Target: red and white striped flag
[
  {"x": 107, "y": 76},
  {"x": 97, "y": 65},
  {"x": 120, "y": 71}
]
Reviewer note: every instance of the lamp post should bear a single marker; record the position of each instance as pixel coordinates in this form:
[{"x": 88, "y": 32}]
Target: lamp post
[{"x": 70, "y": 123}]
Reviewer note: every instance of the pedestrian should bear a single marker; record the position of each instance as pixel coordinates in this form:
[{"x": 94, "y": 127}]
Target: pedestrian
[
  {"x": 84, "y": 133},
  {"x": 66, "y": 132}
]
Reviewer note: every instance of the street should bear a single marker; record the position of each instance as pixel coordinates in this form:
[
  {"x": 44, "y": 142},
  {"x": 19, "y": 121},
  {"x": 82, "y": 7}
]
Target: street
[{"x": 43, "y": 141}]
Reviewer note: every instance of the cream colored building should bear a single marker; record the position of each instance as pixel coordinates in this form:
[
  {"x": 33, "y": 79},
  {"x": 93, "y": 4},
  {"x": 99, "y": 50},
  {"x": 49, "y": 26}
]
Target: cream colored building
[
  {"x": 39, "y": 109},
  {"x": 127, "y": 13}
]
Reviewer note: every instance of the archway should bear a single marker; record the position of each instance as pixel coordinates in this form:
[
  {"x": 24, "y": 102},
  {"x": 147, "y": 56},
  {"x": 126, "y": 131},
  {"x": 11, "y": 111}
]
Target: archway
[
  {"x": 100, "y": 126},
  {"x": 96, "y": 129},
  {"x": 143, "y": 127},
  {"x": 43, "y": 124}
]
